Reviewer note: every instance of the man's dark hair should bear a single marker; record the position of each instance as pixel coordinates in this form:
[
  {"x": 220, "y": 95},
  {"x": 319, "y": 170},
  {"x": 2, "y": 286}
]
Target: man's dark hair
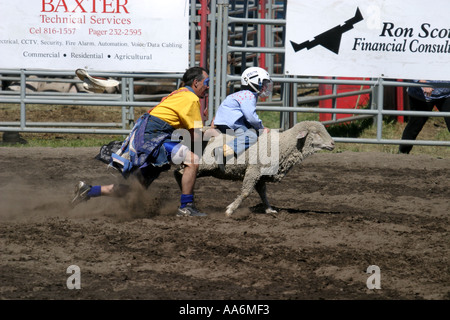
[{"x": 193, "y": 73}]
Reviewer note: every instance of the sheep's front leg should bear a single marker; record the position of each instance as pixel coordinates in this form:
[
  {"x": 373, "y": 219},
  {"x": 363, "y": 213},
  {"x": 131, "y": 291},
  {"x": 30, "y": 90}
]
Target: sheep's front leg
[
  {"x": 261, "y": 189},
  {"x": 250, "y": 178}
]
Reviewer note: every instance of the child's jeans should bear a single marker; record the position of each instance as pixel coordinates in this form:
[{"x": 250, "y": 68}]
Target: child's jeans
[{"x": 245, "y": 137}]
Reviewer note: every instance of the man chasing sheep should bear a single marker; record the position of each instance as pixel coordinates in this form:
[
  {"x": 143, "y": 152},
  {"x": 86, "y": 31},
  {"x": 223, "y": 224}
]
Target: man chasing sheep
[{"x": 149, "y": 148}]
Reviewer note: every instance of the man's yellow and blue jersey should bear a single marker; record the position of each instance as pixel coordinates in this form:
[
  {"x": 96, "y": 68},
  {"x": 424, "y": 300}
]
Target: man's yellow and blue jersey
[{"x": 180, "y": 109}]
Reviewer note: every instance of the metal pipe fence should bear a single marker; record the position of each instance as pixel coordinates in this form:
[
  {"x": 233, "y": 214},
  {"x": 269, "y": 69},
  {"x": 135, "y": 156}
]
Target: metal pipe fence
[
  {"x": 377, "y": 87},
  {"x": 220, "y": 19},
  {"x": 125, "y": 99}
]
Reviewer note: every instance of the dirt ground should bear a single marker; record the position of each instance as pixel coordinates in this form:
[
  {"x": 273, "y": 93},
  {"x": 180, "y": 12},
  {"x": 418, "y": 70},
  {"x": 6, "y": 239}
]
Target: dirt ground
[{"x": 338, "y": 214}]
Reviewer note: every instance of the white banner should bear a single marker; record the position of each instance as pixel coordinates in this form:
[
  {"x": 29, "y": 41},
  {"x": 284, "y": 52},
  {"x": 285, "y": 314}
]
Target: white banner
[
  {"x": 395, "y": 39},
  {"x": 108, "y": 35}
]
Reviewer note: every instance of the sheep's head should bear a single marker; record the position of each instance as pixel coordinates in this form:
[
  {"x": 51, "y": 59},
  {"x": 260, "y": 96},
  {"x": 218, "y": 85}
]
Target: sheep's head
[{"x": 315, "y": 135}]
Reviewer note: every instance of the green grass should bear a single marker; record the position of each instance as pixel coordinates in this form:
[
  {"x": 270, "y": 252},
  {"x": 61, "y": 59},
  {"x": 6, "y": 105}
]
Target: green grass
[
  {"x": 75, "y": 143},
  {"x": 58, "y": 141},
  {"x": 434, "y": 130}
]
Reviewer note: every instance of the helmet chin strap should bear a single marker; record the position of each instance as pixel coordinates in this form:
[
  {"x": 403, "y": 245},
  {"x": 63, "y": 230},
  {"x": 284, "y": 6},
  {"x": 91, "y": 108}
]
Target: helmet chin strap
[{"x": 251, "y": 85}]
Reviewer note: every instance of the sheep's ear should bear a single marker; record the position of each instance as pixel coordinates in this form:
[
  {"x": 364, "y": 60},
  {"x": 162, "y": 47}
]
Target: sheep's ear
[{"x": 302, "y": 134}]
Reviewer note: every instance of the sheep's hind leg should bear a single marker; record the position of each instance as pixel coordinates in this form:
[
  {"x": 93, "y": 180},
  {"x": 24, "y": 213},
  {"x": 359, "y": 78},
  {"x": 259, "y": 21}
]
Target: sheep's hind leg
[{"x": 261, "y": 189}]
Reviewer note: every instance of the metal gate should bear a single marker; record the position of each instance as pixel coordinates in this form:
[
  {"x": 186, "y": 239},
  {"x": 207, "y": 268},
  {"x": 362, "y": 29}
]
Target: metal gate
[{"x": 226, "y": 36}]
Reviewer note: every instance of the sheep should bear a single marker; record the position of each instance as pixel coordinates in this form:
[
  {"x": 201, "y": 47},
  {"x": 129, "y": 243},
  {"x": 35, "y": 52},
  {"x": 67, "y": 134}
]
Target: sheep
[{"x": 285, "y": 149}]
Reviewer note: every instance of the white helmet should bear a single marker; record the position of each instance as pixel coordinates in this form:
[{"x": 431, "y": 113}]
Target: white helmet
[{"x": 259, "y": 80}]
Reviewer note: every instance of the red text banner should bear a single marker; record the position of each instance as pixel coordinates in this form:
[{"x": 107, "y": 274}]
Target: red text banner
[{"x": 105, "y": 35}]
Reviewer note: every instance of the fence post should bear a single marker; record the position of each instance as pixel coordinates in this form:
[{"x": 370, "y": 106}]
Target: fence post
[
  {"x": 334, "y": 100},
  {"x": 223, "y": 83},
  {"x": 192, "y": 30},
  {"x": 23, "y": 88},
  {"x": 220, "y": 25},
  {"x": 212, "y": 61},
  {"x": 124, "y": 99},
  {"x": 380, "y": 108},
  {"x": 130, "y": 98}
]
